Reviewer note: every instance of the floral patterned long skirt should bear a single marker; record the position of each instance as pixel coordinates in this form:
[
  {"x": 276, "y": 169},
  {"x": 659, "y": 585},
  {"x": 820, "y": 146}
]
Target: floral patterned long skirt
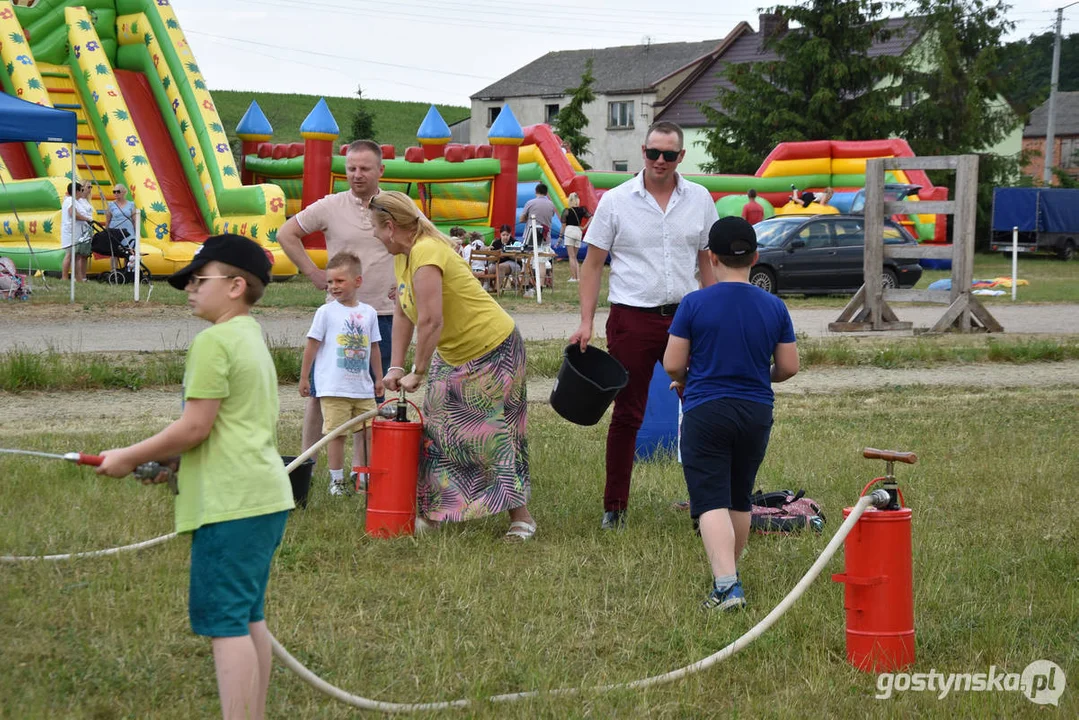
[{"x": 475, "y": 455}]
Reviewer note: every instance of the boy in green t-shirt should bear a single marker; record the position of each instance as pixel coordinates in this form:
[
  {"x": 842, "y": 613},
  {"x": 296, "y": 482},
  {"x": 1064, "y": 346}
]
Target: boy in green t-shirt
[{"x": 234, "y": 493}]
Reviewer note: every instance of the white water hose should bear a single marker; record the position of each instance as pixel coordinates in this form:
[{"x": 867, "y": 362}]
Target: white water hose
[
  {"x": 879, "y": 498},
  {"x": 165, "y": 538}
]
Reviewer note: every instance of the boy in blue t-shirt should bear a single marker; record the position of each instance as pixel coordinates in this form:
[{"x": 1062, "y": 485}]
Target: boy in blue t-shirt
[
  {"x": 720, "y": 353},
  {"x": 234, "y": 494}
]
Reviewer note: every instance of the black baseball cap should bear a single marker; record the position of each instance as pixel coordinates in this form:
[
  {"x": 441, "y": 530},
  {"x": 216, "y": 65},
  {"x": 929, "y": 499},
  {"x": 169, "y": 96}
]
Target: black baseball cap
[
  {"x": 732, "y": 237},
  {"x": 230, "y": 249}
]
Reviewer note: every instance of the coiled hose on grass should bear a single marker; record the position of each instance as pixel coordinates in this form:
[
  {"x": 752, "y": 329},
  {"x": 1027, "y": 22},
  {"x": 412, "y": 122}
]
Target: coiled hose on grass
[{"x": 878, "y": 498}]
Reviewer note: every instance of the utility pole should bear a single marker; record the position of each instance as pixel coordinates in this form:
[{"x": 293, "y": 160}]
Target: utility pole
[{"x": 1050, "y": 131}]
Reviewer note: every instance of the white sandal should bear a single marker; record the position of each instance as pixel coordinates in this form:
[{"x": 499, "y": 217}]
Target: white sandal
[
  {"x": 423, "y": 526},
  {"x": 520, "y": 531}
]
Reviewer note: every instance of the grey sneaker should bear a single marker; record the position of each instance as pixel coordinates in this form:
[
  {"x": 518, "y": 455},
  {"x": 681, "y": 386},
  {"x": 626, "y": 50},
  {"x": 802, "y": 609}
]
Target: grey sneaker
[
  {"x": 614, "y": 520},
  {"x": 338, "y": 489}
]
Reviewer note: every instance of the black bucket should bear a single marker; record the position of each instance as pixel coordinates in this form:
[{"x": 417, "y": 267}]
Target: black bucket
[
  {"x": 300, "y": 478},
  {"x": 587, "y": 383}
]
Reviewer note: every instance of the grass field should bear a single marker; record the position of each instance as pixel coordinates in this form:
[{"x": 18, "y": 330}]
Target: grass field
[
  {"x": 395, "y": 122},
  {"x": 26, "y": 371},
  {"x": 460, "y": 614}
]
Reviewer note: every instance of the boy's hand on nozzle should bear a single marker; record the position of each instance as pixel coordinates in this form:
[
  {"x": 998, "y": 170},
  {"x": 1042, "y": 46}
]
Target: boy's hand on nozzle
[
  {"x": 116, "y": 464},
  {"x": 305, "y": 387},
  {"x": 154, "y": 473}
]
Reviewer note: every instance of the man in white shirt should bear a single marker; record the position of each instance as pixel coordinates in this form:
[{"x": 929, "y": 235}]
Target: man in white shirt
[
  {"x": 345, "y": 221},
  {"x": 655, "y": 229}
]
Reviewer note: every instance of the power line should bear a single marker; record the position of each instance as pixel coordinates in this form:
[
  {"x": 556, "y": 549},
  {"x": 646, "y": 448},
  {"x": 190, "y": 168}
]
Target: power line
[
  {"x": 337, "y": 70},
  {"x": 533, "y": 25}
]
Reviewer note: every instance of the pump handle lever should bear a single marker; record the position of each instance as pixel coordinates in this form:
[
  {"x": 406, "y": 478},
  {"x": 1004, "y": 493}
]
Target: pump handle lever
[{"x": 890, "y": 455}]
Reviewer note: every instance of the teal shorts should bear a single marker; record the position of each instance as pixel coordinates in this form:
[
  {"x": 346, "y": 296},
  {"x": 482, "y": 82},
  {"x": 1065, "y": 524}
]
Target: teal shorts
[{"x": 230, "y": 566}]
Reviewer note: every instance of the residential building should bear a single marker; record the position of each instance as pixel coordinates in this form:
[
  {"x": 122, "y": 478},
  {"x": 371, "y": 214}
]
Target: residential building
[
  {"x": 1065, "y": 137},
  {"x": 629, "y": 81}
]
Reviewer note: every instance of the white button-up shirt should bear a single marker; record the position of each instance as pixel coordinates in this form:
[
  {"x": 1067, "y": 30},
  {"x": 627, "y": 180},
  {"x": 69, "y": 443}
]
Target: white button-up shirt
[{"x": 653, "y": 253}]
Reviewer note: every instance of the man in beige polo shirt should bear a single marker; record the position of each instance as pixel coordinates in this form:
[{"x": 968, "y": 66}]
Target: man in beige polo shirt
[{"x": 343, "y": 219}]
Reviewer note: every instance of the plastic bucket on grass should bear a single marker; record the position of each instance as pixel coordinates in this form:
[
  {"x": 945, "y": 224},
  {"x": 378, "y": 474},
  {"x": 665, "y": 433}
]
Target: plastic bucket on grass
[
  {"x": 586, "y": 384},
  {"x": 300, "y": 478}
]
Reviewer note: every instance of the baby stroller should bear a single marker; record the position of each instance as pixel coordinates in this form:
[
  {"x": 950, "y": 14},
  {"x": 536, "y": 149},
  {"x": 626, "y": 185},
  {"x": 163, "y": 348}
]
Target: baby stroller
[
  {"x": 117, "y": 245},
  {"x": 12, "y": 285}
]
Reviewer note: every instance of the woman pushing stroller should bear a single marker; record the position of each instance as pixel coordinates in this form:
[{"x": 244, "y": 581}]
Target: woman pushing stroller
[{"x": 119, "y": 226}]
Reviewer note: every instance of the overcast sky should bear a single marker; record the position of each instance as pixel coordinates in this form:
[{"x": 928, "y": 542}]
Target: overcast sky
[{"x": 445, "y": 50}]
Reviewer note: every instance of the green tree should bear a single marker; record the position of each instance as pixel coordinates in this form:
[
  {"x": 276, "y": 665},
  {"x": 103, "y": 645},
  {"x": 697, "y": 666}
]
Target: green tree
[
  {"x": 957, "y": 105},
  {"x": 956, "y": 92},
  {"x": 363, "y": 120},
  {"x": 1024, "y": 67},
  {"x": 822, "y": 85},
  {"x": 570, "y": 122}
]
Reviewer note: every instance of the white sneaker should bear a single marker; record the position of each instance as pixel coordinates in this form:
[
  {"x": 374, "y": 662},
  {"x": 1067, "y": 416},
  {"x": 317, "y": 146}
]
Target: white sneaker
[{"x": 338, "y": 489}]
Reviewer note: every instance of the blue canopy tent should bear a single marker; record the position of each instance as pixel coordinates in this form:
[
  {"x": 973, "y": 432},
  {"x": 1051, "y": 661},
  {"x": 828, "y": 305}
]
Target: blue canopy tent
[{"x": 22, "y": 121}]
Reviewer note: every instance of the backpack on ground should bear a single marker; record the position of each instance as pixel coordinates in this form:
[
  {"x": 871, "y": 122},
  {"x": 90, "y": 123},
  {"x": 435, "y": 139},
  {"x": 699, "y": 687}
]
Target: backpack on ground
[{"x": 784, "y": 511}]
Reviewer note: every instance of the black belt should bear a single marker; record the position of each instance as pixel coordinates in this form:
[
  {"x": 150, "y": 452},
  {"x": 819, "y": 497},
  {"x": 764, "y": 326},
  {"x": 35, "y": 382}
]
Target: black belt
[{"x": 664, "y": 310}]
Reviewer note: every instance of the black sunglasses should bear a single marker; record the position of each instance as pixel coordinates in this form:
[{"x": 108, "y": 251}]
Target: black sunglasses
[{"x": 668, "y": 155}]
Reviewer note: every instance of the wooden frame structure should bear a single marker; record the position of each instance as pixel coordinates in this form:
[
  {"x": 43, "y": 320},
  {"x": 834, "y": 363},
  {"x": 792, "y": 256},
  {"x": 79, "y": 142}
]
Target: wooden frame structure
[{"x": 869, "y": 309}]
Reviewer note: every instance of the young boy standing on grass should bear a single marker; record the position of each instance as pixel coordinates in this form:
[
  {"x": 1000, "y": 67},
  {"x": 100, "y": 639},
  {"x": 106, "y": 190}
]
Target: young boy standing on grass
[
  {"x": 343, "y": 345},
  {"x": 234, "y": 493},
  {"x": 720, "y": 353}
]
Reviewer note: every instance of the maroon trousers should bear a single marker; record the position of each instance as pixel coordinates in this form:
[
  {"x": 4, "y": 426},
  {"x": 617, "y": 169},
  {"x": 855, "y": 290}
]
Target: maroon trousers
[{"x": 637, "y": 340}]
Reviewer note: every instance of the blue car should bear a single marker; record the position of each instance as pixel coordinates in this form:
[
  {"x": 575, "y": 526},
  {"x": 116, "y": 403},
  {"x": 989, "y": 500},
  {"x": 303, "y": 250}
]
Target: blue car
[{"x": 823, "y": 254}]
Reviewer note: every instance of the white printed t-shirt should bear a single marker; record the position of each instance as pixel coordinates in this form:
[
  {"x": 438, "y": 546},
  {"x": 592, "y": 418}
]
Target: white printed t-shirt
[{"x": 343, "y": 361}]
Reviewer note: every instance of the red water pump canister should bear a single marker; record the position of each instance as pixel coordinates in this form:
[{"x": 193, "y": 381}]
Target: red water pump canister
[
  {"x": 391, "y": 484},
  {"x": 879, "y": 592},
  {"x": 879, "y": 589}
]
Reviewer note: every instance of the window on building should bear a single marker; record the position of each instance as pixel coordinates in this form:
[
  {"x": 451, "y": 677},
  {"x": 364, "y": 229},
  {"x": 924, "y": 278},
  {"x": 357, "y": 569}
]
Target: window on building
[
  {"x": 620, "y": 114},
  {"x": 908, "y": 100},
  {"x": 550, "y": 112},
  {"x": 492, "y": 115},
  {"x": 621, "y": 165}
]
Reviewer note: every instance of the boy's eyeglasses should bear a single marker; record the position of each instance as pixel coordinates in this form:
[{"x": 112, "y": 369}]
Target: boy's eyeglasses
[
  {"x": 668, "y": 155},
  {"x": 196, "y": 280}
]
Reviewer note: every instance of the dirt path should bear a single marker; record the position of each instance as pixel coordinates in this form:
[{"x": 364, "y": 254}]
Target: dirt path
[
  {"x": 66, "y": 329},
  {"x": 45, "y": 412}
]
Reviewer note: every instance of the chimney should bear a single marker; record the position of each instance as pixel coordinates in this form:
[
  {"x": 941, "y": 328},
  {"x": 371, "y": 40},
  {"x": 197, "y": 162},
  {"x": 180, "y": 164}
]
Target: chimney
[{"x": 772, "y": 24}]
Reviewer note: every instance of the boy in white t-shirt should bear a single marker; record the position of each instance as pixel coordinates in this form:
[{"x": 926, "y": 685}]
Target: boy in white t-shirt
[{"x": 343, "y": 345}]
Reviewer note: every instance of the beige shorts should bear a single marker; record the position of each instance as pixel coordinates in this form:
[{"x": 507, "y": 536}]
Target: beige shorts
[
  {"x": 336, "y": 411},
  {"x": 571, "y": 235}
]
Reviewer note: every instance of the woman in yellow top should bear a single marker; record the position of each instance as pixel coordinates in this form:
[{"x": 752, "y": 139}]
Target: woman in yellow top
[{"x": 475, "y": 456}]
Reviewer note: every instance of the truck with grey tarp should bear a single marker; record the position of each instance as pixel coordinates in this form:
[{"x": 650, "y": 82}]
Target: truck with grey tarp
[{"x": 1047, "y": 218}]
